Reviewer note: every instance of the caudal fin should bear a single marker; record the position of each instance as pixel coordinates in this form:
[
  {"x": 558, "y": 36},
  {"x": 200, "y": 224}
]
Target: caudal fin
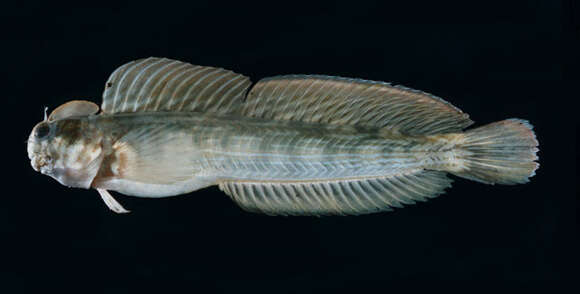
[{"x": 503, "y": 152}]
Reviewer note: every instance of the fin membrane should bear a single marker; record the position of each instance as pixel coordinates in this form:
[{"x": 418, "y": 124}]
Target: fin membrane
[
  {"x": 155, "y": 154},
  {"x": 334, "y": 100},
  {"x": 160, "y": 84},
  {"x": 73, "y": 108},
  {"x": 342, "y": 197},
  {"x": 502, "y": 152},
  {"x": 111, "y": 203}
]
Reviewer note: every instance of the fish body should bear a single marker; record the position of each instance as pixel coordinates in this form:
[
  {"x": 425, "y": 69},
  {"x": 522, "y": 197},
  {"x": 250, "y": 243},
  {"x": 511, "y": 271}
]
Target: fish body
[
  {"x": 217, "y": 148},
  {"x": 292, "y": 145}
]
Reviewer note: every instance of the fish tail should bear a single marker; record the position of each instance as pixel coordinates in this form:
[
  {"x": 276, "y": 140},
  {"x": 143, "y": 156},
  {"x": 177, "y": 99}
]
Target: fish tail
[{"x": 502, "y": 152}]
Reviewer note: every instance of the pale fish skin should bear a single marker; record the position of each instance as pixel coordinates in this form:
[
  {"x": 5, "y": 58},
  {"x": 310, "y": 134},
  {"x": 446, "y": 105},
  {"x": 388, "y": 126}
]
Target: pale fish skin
[{"x": 282, "y": 166}]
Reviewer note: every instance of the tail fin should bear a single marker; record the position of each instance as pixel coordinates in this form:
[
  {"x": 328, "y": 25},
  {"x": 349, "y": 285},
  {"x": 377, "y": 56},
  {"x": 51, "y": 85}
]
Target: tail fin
[{"x": 503, "y": 152}]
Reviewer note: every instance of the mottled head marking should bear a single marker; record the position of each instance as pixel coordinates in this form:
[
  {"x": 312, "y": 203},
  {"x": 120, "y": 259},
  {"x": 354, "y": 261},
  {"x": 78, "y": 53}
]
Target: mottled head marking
[{"x": 65, "y": 146}]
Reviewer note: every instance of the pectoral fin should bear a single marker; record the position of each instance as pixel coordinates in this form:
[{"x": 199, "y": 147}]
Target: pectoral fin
[
  {"x": 111, "y": 203},
  {"x": 73, "y": 108}
]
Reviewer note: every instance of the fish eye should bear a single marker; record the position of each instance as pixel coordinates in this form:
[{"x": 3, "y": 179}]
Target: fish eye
[{"x": 42, "y": 131}]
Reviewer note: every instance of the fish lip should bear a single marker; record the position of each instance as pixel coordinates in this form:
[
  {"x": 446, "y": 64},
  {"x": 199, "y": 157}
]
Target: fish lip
[
  {"x": 42, "y": 164},
  {"x": 34, "y": 162},
  {"x": 35, "y": 167},
  {"x": 29, "y": 149}
]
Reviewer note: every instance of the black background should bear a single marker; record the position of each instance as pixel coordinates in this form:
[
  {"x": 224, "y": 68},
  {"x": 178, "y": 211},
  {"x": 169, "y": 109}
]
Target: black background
[{"x": 494, "y": 60}]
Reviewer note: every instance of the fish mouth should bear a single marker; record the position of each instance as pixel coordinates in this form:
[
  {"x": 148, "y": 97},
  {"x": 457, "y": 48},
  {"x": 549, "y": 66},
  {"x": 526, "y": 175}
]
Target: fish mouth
[{"x": 42, "y": 164}]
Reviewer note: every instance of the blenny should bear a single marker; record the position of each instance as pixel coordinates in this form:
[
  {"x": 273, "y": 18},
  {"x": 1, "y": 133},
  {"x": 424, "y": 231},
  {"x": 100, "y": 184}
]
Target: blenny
[{"x": 288, "y": 145}]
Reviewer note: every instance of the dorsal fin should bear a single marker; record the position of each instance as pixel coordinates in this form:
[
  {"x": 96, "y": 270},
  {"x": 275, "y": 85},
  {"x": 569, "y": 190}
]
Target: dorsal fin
[
  {"x": 334, "y": 100},
  {"x": 161, "y": 84}
]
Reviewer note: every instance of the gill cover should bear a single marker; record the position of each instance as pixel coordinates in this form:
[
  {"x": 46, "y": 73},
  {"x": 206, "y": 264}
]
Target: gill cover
[{"x": 76, "y": 162}]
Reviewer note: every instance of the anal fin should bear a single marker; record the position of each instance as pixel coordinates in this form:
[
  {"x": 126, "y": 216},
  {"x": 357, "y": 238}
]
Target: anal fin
[{"x": 338, "y": 197}]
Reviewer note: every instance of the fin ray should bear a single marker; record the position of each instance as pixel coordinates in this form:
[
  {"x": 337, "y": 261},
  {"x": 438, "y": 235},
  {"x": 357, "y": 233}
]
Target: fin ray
[
  {"x": 502, "y": 152},
  {"x": 161, "y": 84},
  {"x": 349, "y": 196},
  {"x": 111, "y": 203},
  {"x": 335, "y": 100},
  {"x": 144, "y": 155}
]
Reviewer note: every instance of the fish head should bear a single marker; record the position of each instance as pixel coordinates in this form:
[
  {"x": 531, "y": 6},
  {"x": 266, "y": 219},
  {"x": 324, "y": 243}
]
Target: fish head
[{"x": 68, "y": 149}]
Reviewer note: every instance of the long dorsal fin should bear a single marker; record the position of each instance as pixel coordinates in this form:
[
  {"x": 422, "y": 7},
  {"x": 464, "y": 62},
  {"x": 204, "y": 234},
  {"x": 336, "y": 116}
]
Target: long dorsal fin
[
  {"x": 161, "y": 84},
  {"x": 334, "y": 100}
]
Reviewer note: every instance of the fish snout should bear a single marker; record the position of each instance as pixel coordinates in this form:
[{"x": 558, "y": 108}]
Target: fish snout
[{"x": 41, "y": 163}]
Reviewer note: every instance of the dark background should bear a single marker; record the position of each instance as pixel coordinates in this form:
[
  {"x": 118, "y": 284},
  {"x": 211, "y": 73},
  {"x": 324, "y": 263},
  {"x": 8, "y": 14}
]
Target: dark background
[{"x": 493, "y": 59}]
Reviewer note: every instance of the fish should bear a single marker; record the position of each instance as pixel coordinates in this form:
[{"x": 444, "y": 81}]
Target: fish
[{"x": 287, "y": 145}]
